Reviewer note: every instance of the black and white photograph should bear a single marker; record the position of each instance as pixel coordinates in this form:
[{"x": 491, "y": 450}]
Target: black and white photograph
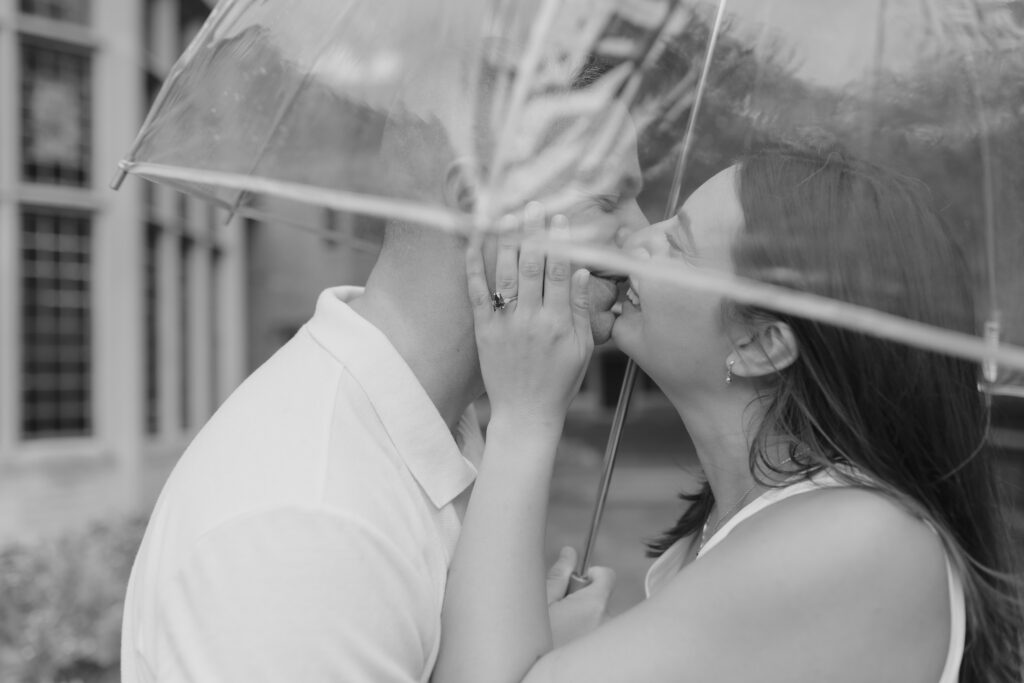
[{"x": 511, "y": 341}]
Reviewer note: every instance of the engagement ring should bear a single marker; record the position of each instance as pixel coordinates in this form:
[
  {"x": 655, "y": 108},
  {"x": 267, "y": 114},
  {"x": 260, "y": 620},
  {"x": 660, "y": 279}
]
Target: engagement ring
[{"x": 498, "y": 301}]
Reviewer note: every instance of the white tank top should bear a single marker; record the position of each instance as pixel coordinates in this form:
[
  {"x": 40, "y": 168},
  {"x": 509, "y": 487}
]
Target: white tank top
[{"x": 666, "y": 566}]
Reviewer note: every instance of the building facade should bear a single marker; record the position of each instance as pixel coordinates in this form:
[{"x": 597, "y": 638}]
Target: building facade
[
  {"x": 127, "y": 317},
  {"x": 122, "y": 314}
]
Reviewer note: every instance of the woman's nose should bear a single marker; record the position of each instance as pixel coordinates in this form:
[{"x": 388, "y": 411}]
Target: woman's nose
[
  {"x": 650, "y": 240},
  {"x": 633, "y": 220}
]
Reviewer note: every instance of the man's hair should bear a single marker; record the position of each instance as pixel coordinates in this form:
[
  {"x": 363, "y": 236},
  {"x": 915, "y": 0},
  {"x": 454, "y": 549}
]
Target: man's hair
[{"x": 420, "y": 153}]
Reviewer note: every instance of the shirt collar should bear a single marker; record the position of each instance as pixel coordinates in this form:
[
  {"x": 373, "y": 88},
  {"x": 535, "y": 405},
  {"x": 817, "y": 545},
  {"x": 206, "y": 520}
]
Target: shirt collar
[{"x": 410, "y": 418}]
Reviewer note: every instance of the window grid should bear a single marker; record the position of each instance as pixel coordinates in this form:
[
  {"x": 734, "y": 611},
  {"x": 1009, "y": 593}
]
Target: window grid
[
  {"x": 56, "y": 114},
  {"x": 216, "y": 258},
  {"x": 152, "y": 328},
  {"x": 74, "y": 11},
  {"x": 56, "y": 368},
  {"x": 185, "y": 255}
]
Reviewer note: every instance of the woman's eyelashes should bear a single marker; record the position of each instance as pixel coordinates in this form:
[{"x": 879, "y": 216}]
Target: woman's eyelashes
[
  {"x": 679, "y": 237},
  {"x": 678, "y": 241},
  {"x": 607, "y": 203}
]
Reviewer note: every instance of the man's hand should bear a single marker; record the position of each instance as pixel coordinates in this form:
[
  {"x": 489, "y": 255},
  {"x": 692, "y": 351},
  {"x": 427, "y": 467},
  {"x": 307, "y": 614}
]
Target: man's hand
[{"x": 576, "y": 615}]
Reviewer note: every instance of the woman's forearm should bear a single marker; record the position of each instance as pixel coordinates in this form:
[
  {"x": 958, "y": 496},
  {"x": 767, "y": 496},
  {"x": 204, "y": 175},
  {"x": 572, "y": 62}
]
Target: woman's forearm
[{"x": 495, "y": 623}]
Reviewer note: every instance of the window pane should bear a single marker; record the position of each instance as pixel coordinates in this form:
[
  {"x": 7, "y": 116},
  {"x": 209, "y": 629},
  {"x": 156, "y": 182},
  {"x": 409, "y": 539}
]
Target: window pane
[
  {"x": 56, "y": 368},
  {"x": 56, "y": 115},
  {"x": 152, "y": 328},
  {"x": 76, "y": 11},
  {"x": 185, "y": 254}
]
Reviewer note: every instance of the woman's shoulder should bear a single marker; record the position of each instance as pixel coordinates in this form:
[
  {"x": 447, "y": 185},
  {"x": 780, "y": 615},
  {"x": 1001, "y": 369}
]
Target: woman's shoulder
[
  {"x": 843, "y": 527},
  {"x": 834, "y": 566},
  {"x": 836, "y": 583}
]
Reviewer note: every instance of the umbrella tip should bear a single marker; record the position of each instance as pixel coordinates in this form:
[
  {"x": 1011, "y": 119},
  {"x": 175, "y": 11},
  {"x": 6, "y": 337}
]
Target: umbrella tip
[
  {"x": 993, "y": 328},
  {"x": 122, "y": 173}
]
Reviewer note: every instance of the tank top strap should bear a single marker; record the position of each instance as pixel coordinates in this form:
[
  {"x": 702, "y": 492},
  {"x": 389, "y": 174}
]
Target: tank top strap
[{"x": 771, "y": 496}]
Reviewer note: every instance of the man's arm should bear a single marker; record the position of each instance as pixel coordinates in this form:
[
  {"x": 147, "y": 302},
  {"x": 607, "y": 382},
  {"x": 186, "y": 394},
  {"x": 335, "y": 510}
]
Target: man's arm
[{"x": 296, "y": 595}]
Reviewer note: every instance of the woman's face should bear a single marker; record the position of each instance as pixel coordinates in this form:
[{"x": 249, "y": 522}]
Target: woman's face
[{"x": 677, "y": 335}]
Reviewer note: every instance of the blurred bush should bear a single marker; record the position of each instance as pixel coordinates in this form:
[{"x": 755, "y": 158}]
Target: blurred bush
[{"x": 61, "y": 603}]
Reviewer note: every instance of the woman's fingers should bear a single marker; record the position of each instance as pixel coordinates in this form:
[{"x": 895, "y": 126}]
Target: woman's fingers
[
  {"x": 558, "y": 274},
  {"x": 531, "y": 258},
  {"x": 506, "y": 268},
  {"x": 580, "y": 292},
  {"x": 528, "y": 278},
  {"x": 559, "y": 573},
  {"x": 476, "y": 281}
]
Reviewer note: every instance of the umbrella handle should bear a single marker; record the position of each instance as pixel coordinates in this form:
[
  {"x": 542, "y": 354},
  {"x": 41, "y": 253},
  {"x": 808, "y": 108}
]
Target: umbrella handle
[{"x": 576, "y": 582}]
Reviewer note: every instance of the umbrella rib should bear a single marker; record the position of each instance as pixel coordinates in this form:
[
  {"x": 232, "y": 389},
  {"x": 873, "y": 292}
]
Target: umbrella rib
[
  {"x": 383, "y": 207},
  {"x": 525, "y": 71},
  {"x": 691, "y": 125},
  {"x": 213, "y": 22},
  {"x": 849, "y": 316},
  {"x": 993, "y": 324},
  {"x": 628, "y": 90}
]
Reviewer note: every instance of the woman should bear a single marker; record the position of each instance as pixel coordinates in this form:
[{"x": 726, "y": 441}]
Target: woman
[{"x": 846, "y": 531}]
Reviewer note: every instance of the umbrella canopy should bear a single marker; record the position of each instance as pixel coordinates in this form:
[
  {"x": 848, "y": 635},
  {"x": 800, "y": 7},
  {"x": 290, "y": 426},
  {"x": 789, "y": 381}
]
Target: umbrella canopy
[
  {"x": 933, "y": 90},
  {"x": 451, "y": 113}
]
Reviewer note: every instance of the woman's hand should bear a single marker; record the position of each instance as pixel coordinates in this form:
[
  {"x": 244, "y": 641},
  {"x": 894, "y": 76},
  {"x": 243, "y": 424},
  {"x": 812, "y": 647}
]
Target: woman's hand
[
  {"x": 533, "y": 351},
  {"x": 581, "y": 612}
]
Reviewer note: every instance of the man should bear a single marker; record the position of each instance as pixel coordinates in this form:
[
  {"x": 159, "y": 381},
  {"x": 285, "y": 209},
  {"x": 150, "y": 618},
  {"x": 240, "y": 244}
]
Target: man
[{"x": 306, "y": 532}]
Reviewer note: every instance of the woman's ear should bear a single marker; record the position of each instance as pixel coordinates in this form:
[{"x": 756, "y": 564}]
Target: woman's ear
[{"x": 769, "y": 347}]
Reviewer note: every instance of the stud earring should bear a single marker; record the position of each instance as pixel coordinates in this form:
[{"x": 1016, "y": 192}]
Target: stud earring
[{"x": 728, "y": 372}]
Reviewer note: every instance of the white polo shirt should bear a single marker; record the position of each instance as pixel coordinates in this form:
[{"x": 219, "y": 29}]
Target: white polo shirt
[{"x": 305, "y": 534}]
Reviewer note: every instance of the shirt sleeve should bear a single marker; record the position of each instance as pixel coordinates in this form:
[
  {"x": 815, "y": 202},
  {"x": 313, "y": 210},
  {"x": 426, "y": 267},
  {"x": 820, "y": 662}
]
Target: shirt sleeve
[{"x": 297, "y": 595}]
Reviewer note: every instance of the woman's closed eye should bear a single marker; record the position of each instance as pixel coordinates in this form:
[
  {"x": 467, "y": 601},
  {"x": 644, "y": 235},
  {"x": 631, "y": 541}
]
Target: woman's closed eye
[
  {"x": 678, "y": 242},
  {"x": 679, "y": 236},
  {"x": 607, "y": 203}
]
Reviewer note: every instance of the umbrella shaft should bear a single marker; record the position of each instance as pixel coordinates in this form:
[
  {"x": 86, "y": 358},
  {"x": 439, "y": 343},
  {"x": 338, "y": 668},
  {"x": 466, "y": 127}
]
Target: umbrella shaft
[{"x": 628, "y": 384}]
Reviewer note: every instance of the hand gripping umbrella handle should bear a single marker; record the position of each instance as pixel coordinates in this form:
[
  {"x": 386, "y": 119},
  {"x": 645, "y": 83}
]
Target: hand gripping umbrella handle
[
  {"x": 579, "y": 577},
  {"x": 576, "y": 582}
]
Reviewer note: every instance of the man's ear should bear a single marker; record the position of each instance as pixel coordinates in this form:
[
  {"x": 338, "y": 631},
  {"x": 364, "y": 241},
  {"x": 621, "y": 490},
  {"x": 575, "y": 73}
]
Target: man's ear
[
  {"x": 768, "y": 347},
  {"x": 459, "y": 186}
]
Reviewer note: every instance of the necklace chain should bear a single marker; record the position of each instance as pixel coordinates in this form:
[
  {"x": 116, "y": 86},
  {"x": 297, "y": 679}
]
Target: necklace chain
[
  {"x": 729, "y": 513},
  {"x": 721, "y": 520}
]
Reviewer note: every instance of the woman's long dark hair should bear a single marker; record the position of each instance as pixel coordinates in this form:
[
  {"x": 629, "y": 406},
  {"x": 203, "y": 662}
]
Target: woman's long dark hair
[{"x": 913, "y": 421}]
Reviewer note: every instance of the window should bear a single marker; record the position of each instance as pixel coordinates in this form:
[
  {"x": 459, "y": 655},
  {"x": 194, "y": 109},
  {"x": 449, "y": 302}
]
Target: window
[
  {"x": 185, "y": 255},
  {"x": 151, "y": 414},
  {"x": 56, "y": 114},
  {"x": 74, "y": 11},
  {"x": 56, "y": 368}
]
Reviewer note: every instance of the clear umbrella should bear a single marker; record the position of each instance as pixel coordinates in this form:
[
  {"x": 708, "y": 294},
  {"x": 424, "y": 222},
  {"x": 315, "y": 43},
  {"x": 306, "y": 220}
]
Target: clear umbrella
[
  {"x": 452, "y": 113},
  {"x": 933, "y": 89}
]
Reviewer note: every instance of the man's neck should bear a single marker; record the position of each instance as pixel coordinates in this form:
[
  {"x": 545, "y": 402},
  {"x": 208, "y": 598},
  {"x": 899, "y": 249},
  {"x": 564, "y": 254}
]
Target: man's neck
[{"x": 426, "y": 317}]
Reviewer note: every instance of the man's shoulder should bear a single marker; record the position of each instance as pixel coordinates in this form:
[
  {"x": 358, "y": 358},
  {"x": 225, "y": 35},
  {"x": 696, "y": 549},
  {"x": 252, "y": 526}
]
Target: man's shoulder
[{"x": 279, "y": 590}]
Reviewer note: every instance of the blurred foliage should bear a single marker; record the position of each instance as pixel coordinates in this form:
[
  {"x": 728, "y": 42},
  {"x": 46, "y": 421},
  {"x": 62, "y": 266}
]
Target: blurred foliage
[{"x": 60, "y": 615}]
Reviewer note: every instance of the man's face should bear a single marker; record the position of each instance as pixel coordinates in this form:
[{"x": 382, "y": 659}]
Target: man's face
[
  {"x": 603, "y": 210},
  {"x": 608, "y": 216}
]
